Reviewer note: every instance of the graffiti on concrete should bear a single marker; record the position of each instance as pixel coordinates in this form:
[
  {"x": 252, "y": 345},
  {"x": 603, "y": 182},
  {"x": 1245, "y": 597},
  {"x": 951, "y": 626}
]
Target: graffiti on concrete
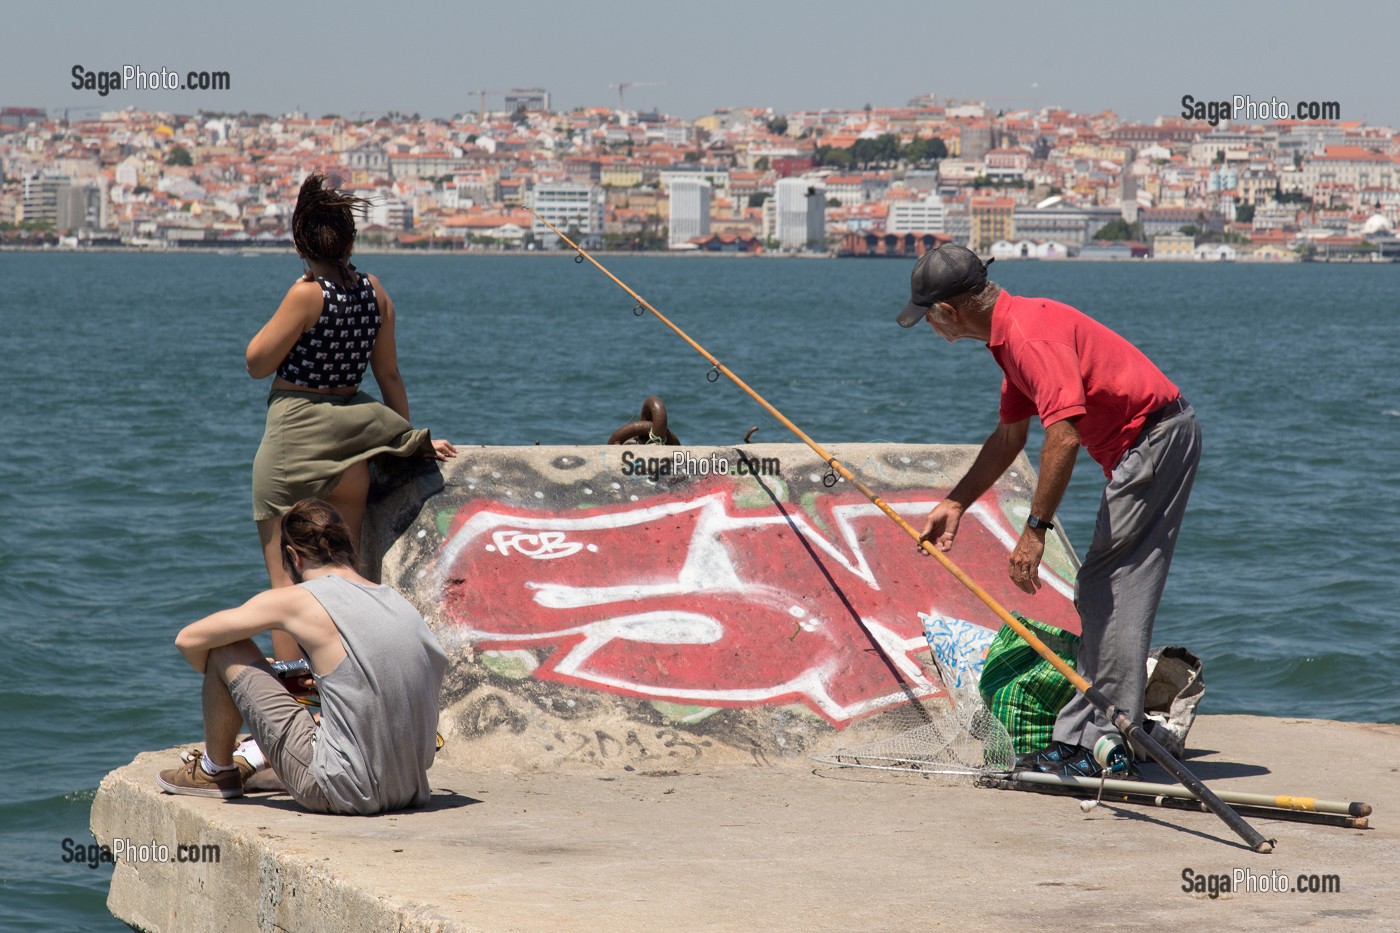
[{"x": 693, "y": 598}]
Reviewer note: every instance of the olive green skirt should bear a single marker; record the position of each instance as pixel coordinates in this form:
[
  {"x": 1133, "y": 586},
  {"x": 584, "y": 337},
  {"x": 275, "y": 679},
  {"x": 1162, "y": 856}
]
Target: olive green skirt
[{"x": 311, "y": 439}]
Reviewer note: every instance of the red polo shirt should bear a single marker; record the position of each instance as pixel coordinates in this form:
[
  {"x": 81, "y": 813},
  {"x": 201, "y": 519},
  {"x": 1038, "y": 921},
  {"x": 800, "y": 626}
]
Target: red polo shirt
[{"x": 1061, "y": 363}]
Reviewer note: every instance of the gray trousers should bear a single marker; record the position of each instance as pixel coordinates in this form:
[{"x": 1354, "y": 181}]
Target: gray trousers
[{"x": 1121, "y": 580}]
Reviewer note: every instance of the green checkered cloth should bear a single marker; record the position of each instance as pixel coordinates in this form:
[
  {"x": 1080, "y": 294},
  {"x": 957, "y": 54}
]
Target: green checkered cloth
[{"x": 1021, "y": 688}]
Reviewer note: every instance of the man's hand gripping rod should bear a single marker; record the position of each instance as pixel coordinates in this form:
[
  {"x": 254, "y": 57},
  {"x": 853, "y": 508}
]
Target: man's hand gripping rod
[{"x": 1120, "y": 719}]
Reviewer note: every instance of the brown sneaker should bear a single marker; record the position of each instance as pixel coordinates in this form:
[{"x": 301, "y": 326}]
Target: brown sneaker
[
  {"x": 191, "y": 778},
  {"x": 245, "y": 770},
  {"x": 261, "y": 781}
]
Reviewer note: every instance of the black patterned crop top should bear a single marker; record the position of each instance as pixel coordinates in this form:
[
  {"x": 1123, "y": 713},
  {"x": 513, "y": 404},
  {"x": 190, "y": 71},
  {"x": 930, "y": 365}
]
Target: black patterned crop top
[{"x": 337, "y": 348}]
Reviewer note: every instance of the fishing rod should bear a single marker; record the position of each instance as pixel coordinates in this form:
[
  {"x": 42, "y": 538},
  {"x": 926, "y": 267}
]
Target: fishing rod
[
  {"x": 1175, "y": 797},
  {"x": 1283, "y": 802},
  {"x": 1120, "y": 719}
]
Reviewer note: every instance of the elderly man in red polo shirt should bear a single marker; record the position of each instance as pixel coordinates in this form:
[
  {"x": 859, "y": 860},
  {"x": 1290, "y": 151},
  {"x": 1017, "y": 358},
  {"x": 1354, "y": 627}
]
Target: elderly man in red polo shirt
[{"x": 1090, "y": 388}]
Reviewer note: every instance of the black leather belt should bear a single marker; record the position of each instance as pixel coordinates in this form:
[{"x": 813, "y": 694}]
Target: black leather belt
[{"x": 1166, "y": 411}]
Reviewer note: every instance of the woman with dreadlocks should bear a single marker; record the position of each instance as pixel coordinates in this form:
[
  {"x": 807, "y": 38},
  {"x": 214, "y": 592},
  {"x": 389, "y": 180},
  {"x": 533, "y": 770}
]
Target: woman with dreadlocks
[{"x": 321, "y": 429}]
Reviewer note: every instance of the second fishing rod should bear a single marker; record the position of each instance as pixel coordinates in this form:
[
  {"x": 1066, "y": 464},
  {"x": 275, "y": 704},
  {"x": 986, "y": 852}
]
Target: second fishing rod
[{"x": 1120, "y": 719}]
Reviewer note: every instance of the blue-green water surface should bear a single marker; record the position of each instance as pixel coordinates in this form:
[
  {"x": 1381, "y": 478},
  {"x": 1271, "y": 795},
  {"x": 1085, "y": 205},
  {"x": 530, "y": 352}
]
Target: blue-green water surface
[{"x": 129, "y": 426}]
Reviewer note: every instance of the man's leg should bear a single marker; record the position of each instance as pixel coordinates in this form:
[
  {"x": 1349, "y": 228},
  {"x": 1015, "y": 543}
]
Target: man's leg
[
  {"x": 1121, "y": 581},
  {"x": 222, "y": 721}
]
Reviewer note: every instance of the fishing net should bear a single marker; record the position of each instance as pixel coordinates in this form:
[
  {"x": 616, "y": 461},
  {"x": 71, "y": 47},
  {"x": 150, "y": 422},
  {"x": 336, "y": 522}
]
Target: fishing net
[{"x": 955, "y": 738}]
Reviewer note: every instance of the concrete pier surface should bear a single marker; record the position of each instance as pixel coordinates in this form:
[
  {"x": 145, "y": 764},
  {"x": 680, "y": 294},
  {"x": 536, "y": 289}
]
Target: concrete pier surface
[{"x": 788, "y": 846}]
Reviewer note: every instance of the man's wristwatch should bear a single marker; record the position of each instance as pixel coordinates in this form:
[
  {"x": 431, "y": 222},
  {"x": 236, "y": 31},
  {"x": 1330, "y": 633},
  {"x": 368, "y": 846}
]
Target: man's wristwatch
[{"x": 1035, "y": 521}]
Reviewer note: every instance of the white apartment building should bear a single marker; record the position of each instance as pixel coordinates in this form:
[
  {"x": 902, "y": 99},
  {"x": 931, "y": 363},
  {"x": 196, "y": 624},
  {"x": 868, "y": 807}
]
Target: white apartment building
[
  {"x": 924, "y": 216},
  {"x": 391, "y": 213},
  {"x": 565, "y": 205},
  {"x": 690, "y": 211},
  {"x": 799, "y": 214},
  {"x": 672, "y": 134}
]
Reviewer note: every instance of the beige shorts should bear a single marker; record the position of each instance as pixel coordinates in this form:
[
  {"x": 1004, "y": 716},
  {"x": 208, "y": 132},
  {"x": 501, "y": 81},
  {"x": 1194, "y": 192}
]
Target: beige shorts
[{"x": 284, "y": 730}]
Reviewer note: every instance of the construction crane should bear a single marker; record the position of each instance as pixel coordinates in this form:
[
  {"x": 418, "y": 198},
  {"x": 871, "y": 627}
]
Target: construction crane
[
  {"x": 481, "y": 113},
  {"x": 624, "y": 85}
]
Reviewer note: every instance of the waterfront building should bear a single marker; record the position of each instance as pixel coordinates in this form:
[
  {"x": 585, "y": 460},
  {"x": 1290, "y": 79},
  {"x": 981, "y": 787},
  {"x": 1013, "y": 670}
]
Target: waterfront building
[
  {"x": 925, "y": 216},
  {"x": 799, "y": 214},
  {"x": 390, "y": 213},
  {"x": 992, "y": 220},
  {"x": 1030, "y": 249},
  {"x": 1158, "y": 220},
  {"x": 1174, "y": 246},
  {"x": 567, "y": 205},
  {"x": 690, "y": 211},
  {"x": 62, "y": 204},
  {"x": 1074, "y": 226},
  {"x": 1215, "y": 252}
]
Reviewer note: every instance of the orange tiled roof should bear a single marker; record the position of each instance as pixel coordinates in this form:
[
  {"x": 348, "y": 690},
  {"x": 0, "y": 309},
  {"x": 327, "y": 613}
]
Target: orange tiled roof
[{"x": 1353, "y": 154}]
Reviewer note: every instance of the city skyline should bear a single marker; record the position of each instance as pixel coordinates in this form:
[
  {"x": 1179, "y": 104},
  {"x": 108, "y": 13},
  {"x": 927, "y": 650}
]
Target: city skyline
[{"x": 349, "y": 58}]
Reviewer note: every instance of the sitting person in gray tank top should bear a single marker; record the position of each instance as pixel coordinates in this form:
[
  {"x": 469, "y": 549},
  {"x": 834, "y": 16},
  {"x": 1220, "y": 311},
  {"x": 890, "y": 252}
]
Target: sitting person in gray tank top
[{"x": 376, "y": 663}]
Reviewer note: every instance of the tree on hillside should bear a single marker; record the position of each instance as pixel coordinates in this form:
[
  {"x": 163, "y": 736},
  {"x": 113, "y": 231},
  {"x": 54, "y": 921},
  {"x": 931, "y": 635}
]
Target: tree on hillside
[
  {"x": 883, "y": 148},
  {"x": 178, "y": 155},
  {"x": 921, "y": 151},
  {"x": 833, "y": 156}
]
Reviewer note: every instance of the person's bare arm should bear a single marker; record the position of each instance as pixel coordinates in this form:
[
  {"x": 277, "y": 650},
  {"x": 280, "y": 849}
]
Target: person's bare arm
[
  {"x": 289, "y": 609},
  {"x": 997, "y": 453},
  {"x": 269, "y": 347}
]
